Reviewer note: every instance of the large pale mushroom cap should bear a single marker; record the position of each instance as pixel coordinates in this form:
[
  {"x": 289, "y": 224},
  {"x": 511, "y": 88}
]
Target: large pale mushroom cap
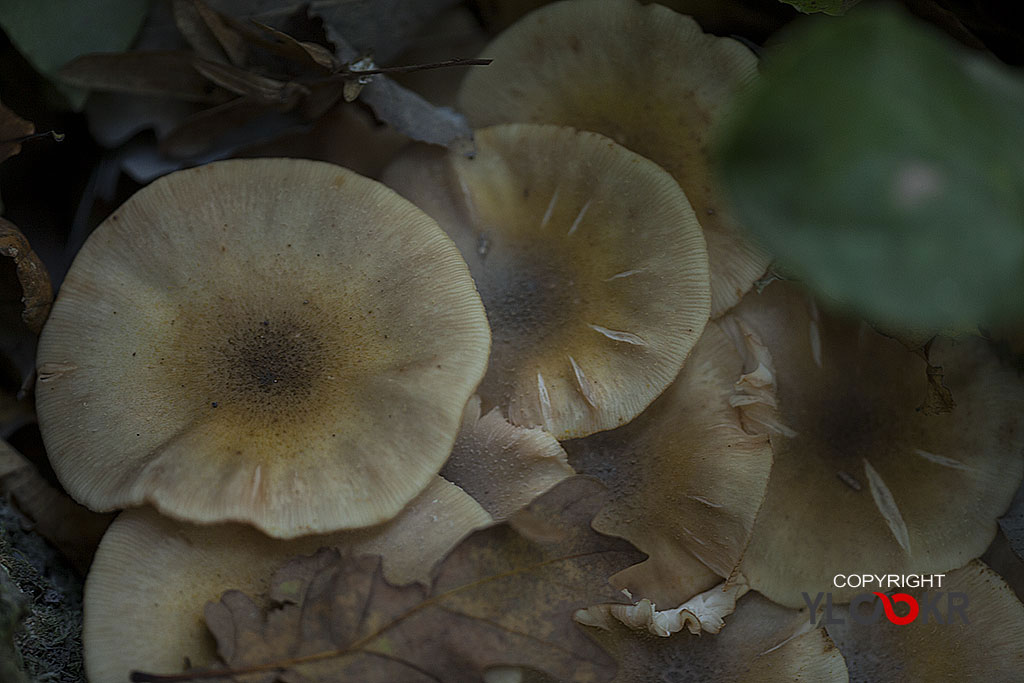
[
  {"x": 645, "y": 76},
  {"x": 864, "y": 481},
  {"x": 281, "y": 342},
  {"x": 686, "y": 479},
  {"x": 152, "y": 576},
  {"x": 590, "y": 263}
]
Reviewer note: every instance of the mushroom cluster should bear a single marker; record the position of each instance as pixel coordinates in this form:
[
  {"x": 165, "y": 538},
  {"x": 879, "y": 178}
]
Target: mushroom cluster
[{"x": 277, "y": 355}]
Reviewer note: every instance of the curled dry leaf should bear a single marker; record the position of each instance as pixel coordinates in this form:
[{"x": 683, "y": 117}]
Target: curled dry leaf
[
  {"x": 504, "y": 596},
  {"x": 503, "y": 466},
  {"x": 762, "y": 642},
  {"x": 37, "y": 292},
  {"x": 12, "y": 129}
]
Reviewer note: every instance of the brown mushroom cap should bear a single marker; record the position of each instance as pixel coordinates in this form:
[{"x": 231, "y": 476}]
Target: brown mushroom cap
[
  {"x": 276, "y": 341},
  {"x": 646, "y": 77},
  {"x": 152, "y": 576},
  {"x": 864, "y": 482},
  {"x": 686, "y": 478},
  {"x": 990, "y": 647},
  {"x": 590, "y": 263}
]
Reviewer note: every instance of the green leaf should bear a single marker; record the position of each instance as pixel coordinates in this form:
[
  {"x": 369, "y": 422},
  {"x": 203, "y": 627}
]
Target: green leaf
[
  {"x": 49, "y": 34},
  {"x": 882, "y": 164}
]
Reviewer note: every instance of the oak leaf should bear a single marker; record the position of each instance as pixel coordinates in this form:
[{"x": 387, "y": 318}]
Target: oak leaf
[{"x": 504, "y": 597}]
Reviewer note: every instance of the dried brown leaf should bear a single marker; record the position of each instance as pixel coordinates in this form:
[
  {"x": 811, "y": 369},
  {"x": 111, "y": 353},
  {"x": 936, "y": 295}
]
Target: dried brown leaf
[
  {"x": 36, "y": 290},
  {"x": 382, "y": 26},
  {"x": 209, "y": 33},
  {"x": 283, "y": 94},
  {"x": 244, "y": 119},
  {"x": 503, "y": 596},
  {"x": 12, "y": 129},
  {"x": 161, "y": 73}
]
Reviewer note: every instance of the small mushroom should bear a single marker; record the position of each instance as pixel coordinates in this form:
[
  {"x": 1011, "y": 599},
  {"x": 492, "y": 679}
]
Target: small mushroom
[
  {"x": 590, "y": 263},
  {"x": 152, "y": 576},
  {"x": 864, "y": 480},
  {"x": 275, "y": 341},
  {"x": 646, "y": 77}
]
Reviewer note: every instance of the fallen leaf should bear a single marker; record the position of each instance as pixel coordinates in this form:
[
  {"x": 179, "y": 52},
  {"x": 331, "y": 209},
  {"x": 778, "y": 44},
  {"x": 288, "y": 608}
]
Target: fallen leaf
[
  {"x": 36, "y": 290},
  {"x": 504, "y": 596},
  {"x": 164, "y": 73},
  {"x": 152, "y": 575},
  {"x": 384, "y": 27},
  {"x": 12, "y": 129},
  {"x": 208, "y": 32}
]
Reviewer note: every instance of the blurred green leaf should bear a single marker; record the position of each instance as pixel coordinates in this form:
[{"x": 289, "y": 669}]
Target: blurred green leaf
[
  {"x": 883, "y": 165},
  {"x": 52, "y": 33},
  {"x": 834, "y": 7}
]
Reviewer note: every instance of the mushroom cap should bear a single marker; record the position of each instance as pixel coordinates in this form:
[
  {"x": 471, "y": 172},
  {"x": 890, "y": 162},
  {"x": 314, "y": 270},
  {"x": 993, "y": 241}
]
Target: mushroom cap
[
  {"x": 646, "y": 77},
  {"x": 686, "y": 479},
  {"x": 761, "y": 641},
  {"x": 503, "y": 467},
  {"x": 152, "y": 576},
  {"x": 590, "y": 263},
  {"x": 276, "y": 341},
  {"x": 863, "y": 481},
  {"x": 990, "y": 647}
]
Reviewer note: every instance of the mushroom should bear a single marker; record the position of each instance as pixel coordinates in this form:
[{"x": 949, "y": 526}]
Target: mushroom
[
  {"x": 989, "y": 647},
  {"x": 864, "y": 482},
  {"x": 645, "y": 76},
  {"x": 275, "y": 341},
  {"x": 152, "y": 576},
  {"x": 503, "y": 467},
  {"x": 686, "y": 478},
  {"x": 761, "y": 642},
  {"x": 590, "y": 264}
]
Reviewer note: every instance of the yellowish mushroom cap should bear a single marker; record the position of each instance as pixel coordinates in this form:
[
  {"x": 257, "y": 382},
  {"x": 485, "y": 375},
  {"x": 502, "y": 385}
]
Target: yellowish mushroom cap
[
  {"x": 275, "y": 341},
  {"x": 686, "y": 478},
  {"x": 646, "y": 77},
  {"x": 864, "y": 480},
  {"x": 590, "y": 264},
  {"x": 152, "y": 576}
]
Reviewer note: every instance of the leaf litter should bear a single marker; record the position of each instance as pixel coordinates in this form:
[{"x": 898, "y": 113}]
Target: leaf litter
[{"x": 505, "y": 596}]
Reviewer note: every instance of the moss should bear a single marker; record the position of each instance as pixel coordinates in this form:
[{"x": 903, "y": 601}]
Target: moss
[{"x": 44, "y": 594}]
